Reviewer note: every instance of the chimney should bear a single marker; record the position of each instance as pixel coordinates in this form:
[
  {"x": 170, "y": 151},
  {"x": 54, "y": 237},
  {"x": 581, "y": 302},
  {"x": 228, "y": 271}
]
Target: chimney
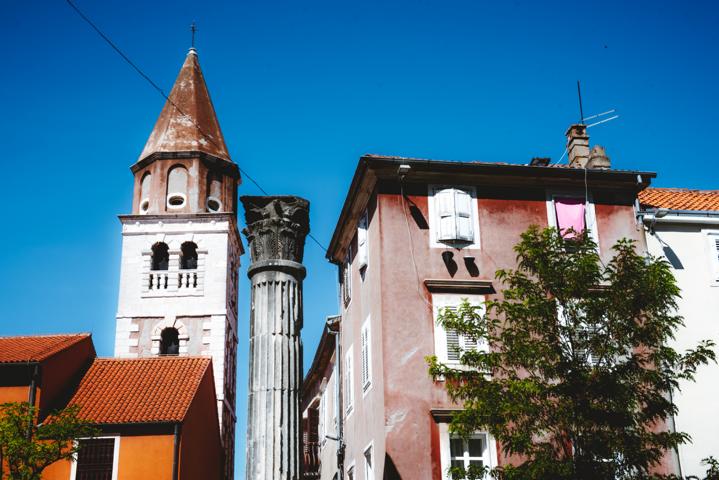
[
  {"x": 577, "y": 145},
  {"x": 598, "y": 158}
]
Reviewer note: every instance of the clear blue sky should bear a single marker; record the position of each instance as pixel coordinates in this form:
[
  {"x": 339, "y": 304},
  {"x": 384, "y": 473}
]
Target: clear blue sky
[{"x": 302, "y": 89}]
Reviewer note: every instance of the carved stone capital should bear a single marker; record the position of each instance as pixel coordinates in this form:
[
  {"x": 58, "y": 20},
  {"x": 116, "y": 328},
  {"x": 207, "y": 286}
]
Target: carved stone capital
[{"x": 276, "y": 227}]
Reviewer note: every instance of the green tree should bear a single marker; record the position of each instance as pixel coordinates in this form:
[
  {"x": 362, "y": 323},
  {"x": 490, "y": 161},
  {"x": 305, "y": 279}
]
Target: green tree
[
  {"x": 578, "y": 380},
  {"x": 28, "y": 448}
]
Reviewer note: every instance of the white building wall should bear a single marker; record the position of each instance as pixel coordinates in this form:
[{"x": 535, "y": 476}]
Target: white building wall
[{"x": 688, "y": 249}]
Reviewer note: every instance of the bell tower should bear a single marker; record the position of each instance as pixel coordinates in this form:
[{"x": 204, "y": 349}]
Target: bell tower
[{"x": 181, "y": 247}]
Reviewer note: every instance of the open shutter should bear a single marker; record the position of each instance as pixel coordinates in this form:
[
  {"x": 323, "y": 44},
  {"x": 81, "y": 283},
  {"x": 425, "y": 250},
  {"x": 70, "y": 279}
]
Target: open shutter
[
  {"x": 362, "y": 252},
  {"x": 452, "y": 345},
  {"x": 716, "y": 257},
  {"x": 364, "y": 337},
  {"x": 463, "y": 215},
  {"x": 447, "y": 226},
  {"x": 349, "y": 392}
]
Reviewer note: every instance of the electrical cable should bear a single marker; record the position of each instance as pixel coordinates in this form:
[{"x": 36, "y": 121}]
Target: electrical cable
[{"x": 167, "y": 98}]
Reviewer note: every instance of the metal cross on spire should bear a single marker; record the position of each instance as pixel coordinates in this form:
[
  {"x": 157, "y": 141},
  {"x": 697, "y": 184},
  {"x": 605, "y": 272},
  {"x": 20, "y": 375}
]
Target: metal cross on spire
[{"x": 193, "y": 29}]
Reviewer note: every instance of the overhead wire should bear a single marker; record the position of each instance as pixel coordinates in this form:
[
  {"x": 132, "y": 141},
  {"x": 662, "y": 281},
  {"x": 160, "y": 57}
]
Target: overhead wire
[{"x": 139, "y": 71}]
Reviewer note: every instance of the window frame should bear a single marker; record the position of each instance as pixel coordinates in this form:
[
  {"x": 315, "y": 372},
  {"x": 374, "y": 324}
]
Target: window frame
[
  {"x": 346, "y": 278},
  {"x": 366, "y": 383},
  {"x": 445, "y": 452},
  {"x": 712, "y": 245},
  {"x": 351, "y": 470},
  {"x": 444, "y": 300},
  {"x": 433, "y": 189},
  {"x": 115, "y": 456},
  {"x": 590, "y": 216},
  {"x": 369, "y": 473},
  {"x": 349, "y": 381},
  {"x": 363, "y": 241}
]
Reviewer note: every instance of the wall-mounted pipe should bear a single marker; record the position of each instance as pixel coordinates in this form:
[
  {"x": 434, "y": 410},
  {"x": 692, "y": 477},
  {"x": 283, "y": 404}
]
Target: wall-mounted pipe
[{"x": 176, "y": 451}]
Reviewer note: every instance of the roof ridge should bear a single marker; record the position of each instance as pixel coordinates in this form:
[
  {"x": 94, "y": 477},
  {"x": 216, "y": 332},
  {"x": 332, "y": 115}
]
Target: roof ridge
[
  {"x": 155, "y": 358},
  {"x": 48, "y": 335},
  {"x": 684, "y": 189}
]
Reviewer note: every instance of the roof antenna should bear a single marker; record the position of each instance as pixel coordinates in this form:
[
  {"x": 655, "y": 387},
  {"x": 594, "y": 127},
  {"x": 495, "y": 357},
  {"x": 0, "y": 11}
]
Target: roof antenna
[
  {"x": 193, "y": 29},
  {"x": 581, "y": 112}
]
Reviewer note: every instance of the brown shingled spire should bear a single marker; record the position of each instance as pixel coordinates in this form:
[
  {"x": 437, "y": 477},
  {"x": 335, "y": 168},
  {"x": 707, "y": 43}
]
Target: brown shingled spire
[{"x": 190, "y": 124}]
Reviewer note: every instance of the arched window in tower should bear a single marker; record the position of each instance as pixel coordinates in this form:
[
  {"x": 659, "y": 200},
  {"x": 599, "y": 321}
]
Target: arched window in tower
[
  {"x": 145, "y": 192},
  {"x": 160, "y": 256},
  {"x": 177, "y": 187},
  {"x": 214, "y": 192},
  {"x": 188, "y": 260},
  {"x": 170, "y": 341}
]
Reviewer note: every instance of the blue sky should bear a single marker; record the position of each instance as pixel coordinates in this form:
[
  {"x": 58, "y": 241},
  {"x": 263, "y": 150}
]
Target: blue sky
[{"x": 302, "y": 89}]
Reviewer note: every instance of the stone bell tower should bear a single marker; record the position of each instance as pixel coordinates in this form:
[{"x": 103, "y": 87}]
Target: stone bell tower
[
  {"x": 276, "y": 230},
  {"x": 181, "y": 247}
]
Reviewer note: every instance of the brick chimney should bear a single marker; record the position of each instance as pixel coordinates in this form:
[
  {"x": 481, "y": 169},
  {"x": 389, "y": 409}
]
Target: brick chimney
[
  {"x": 577, "y": 145},
  {"x": 598, "y": 158}
]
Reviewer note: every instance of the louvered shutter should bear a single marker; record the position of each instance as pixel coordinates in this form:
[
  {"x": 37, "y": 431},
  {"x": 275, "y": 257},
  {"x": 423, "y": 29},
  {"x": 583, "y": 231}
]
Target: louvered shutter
[
  {"x": 349, "y": 392},
  {"x": 716, "y": 259},
  {"x": 463, "y": 215},
  {"x": 447, "y": 226},
  {"x": 364, "y": 337},
  {"x": 452, "y": 345},
  {"x": 362, "y": 251}
]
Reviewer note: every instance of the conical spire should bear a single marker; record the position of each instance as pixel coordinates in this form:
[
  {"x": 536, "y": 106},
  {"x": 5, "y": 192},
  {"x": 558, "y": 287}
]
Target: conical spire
[{"x": 188, "y": 121}]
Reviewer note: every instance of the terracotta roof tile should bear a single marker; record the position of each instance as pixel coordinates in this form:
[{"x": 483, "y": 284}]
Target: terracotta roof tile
[
  {"x": 141, "y": 390},
  {"x": 679, "y": 199},
  {"x": 36, "y": 348}
]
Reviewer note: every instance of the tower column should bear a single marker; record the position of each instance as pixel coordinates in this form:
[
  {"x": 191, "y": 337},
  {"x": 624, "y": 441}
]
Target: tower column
[{"x": 276, "y": 230}]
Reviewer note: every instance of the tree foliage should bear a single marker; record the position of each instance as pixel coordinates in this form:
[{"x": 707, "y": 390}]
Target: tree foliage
[
  {"x": 28, "y": 448},
  {"x": 577, "y": 383}
]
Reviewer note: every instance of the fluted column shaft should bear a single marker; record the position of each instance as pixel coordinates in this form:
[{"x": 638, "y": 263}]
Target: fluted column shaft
[{"x": 276, "y": 236}]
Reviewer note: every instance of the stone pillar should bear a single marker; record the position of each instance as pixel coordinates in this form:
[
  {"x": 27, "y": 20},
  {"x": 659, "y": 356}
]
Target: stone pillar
[{"x": 276, "y": 230}]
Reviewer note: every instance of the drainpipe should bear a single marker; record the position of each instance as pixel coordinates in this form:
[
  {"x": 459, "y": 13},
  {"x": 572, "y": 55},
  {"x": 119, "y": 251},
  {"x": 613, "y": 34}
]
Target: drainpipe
[
  {"x": 176, "y": 451},
  {"x": 334, "y": 328},
  {"x": 32, "y": 394}
]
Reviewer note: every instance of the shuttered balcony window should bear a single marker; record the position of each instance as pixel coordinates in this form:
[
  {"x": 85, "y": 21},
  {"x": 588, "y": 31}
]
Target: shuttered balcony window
[
  {"x": 454, "y": 215},
  {"x": 96, "y": 459}
]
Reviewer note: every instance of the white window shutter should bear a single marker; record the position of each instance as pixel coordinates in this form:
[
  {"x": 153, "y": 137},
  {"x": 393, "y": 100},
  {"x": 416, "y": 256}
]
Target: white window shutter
[
  {"x": 452, "y": 345},
  {"x": 716, "y": 257},
  {"x": 362, "y": 251},
  {"x": 363, "y": 340},
  {"x": 447, "y": 226},
  {"x": 349, "y": 392},
  {"x": 463, "y": 215}
]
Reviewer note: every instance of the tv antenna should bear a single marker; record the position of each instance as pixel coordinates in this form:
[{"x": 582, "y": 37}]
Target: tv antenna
[{"x": 583, "y": 119}]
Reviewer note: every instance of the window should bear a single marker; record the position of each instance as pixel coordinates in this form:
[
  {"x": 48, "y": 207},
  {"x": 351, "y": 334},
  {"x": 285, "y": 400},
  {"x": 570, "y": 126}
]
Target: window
[
  {"x": 160, "y": 256},
  {"x": 366, "y": 355},
  {"x": 214, "y": 192},
  {"x": 571, "y": 211},
  {"x": 448, "y": 344},
  {"x": 713, "y": 239},
  {"x": 335, "y": 395},
  {"x": 478, "y": 450},
  {"x": 368, "y": 463},
  {"x": 351, "y": 473},
  {"x": 188, "y": 256},
  {"x": 145, "y": 192},
  {"x": 362, "y": 247},
  {"x": 472, "y": 451},
  {"x": 170, "y": 341},
  {"x": 346, "y": 278},
  {"x": 349, "y": 384},
  {"x": 177, "y": 187},
  {"x": 453, "y": 217},
  {"x": 96, "y": 459}
]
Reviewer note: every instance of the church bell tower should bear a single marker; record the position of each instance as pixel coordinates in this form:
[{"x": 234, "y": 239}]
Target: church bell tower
[{"x": 181, "y": 247}]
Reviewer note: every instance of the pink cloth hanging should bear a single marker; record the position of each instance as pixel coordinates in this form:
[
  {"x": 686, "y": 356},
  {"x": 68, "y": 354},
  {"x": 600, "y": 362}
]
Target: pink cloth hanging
[{"x": 570, "y": 214}]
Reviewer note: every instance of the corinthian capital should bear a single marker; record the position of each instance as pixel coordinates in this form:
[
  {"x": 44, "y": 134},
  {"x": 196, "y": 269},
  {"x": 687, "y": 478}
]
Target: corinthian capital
[{"x": 276, "y": 227}]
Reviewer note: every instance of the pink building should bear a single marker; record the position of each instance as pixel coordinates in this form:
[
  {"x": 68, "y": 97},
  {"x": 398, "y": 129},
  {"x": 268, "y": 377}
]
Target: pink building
[{"x": 414, "y": 236}]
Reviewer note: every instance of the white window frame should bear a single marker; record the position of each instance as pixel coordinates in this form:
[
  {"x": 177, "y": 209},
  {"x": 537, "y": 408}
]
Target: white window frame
[
  {"x": 444, "y": 300},
  {"x": 366, "y": 350},
  {"x": 712, "y": 237},
  {"x": 434, "y": 220},
  {"x": 115, "y": 456},
  {"x": 490, "y": 457},
  {"x": 363, "y": 241},
  {"x": 349, "y": 381},
  {"x": 590, "y": 217},
  {"x": 346, "y": 275},
  {"x": 335, "y": 396},
  {"x": 369, "y": 472}
]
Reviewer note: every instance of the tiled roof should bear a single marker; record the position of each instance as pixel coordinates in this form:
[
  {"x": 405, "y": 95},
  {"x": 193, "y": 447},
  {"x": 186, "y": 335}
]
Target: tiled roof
[
  {"x": 36, "y": 348},
  {"x": 679, "y": 199},
  {"x": 141, "y": 390}
]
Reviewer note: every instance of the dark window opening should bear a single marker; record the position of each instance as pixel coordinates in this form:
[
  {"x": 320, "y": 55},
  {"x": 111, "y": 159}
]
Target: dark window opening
[
  {"x": 188, "y": 258},
  {"x": 95, "y": 459},
  {"x": 160, "y": 256},
  {"x": 170, "y": 342}
]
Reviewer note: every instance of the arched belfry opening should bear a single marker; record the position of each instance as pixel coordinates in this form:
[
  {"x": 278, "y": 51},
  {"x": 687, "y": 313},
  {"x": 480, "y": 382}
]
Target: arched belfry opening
[
  {"x": 188, "y": 256},
  {"x": 177, "y": 187},
  {"x": 170, "y": 341},
  {"x": 160, "y": 256}
]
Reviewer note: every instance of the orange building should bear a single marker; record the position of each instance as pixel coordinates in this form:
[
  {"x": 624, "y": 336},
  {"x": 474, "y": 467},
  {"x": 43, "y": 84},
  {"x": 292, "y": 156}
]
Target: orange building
[{"x": 157, "y": 416}]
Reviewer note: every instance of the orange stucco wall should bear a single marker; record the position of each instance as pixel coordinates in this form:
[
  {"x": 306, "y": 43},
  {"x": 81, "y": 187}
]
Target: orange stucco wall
[
  {"x": 14, "y": 394},
  {"x": 145, "y": 456}
]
